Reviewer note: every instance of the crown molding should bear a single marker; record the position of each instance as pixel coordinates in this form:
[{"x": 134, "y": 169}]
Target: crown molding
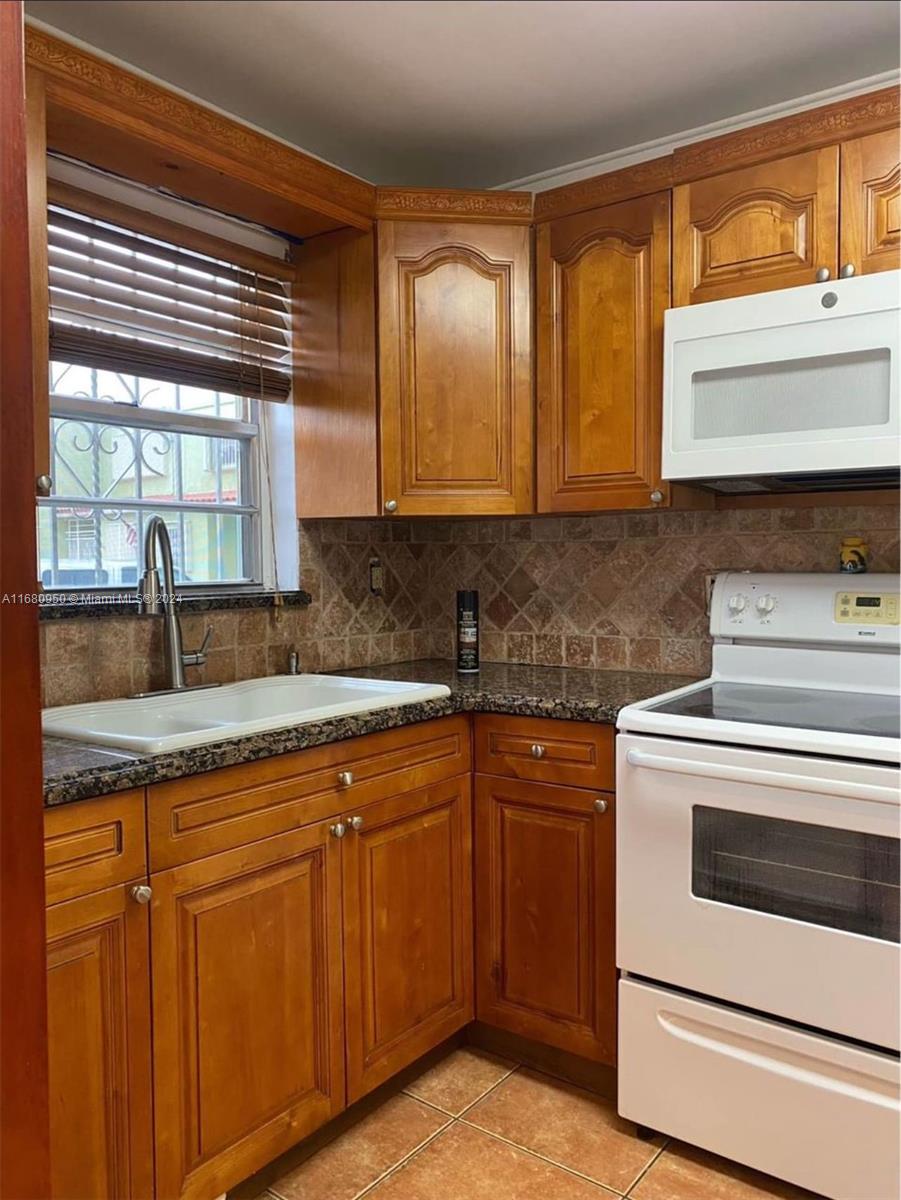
[
  {"x": 630, "y": 156},
  {"x": 437, "y": 204}
]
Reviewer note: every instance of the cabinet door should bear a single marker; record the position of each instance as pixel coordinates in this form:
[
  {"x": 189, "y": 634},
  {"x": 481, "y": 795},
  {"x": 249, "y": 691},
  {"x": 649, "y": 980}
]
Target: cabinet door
[
  {"x": 408, "y": 930},
  {"x": 545, "y": 965},
  {"x": 765, "y": 227},
  {"x": 603, "y": 286},
  {"x": 871, "y": 203},
  {"x": 247, "y": 1008},
  {"x": 454, "y": 354},
  {"x": 98, "y": 993}
]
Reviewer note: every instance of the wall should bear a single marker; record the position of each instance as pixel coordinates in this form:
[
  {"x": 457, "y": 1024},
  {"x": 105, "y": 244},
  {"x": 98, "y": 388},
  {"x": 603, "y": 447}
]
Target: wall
[{"x": 617, "y": 590}]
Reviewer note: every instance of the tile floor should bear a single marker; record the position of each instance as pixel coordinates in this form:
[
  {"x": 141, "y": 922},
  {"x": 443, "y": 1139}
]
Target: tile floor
[{"x": 477, "y": 1127}]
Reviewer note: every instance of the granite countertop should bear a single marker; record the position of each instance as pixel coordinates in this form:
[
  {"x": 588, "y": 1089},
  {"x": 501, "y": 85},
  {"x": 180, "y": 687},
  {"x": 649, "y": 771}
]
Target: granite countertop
[{"x": 78, "y": 770}]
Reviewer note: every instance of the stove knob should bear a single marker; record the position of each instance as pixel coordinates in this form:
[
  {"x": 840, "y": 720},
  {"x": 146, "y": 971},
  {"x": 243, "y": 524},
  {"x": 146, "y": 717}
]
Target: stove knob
[
  {"x": 765, "y": 605},
  {"x": 737, "y": 603}
]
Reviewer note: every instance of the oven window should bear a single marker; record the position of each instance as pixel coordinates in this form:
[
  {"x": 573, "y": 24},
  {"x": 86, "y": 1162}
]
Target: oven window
[{"x": 806, "y": 872}]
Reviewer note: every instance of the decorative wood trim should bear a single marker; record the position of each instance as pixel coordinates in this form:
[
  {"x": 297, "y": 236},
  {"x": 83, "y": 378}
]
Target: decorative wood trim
[
  {"x": 106, "y": 94},
  {"x": 808, "y": 130},
  {"x": 36, "y": 150},
  {"x": 655, "y": 175},
  {"x": 437, "y": 204}
]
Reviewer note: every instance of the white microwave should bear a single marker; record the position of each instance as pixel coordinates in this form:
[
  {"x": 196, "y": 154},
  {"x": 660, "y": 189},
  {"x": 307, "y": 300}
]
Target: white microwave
[{"x": 799, "y": 385}]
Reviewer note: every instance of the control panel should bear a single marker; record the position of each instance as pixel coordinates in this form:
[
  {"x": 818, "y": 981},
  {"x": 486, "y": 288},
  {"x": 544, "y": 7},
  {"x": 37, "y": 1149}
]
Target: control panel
[
  {"x": 854, "y": 607},
  {"x": 804, "y": 608}
]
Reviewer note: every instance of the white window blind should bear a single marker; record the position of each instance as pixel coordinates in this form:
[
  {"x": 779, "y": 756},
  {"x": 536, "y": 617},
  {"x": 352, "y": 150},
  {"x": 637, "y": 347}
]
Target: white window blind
[{"x": 123, "y": 301}]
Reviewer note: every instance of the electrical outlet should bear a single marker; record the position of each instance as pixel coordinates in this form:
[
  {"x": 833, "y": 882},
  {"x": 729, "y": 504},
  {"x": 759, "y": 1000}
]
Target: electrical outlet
[{"x": 376, "y": 576}]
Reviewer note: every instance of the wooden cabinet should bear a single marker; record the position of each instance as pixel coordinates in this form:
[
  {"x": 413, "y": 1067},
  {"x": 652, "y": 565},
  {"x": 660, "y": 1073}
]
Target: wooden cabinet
[
  {"x": 871, "y": 203},
  {"x": 602, "y": 288},
  {"x": 454, "y": 359},
  {"x": 545, "y": 965},
  {"x": 574, "y": 753},
  {"x": 247, "y": 1008},
  {"x": 767, "y": 226},
  {"x": 407, "y": 929},
  {"x": 98, "y": 1002}
]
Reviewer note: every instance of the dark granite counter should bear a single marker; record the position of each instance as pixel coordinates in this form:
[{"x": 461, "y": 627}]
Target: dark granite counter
[{"x": 78, "y": 770}]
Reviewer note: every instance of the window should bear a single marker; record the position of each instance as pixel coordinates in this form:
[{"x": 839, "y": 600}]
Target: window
[{"x": 164, "y": 362}]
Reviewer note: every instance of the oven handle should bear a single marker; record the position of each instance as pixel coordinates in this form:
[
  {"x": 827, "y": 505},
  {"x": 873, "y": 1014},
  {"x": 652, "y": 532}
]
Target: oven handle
[{"x": 774, "y": 779}]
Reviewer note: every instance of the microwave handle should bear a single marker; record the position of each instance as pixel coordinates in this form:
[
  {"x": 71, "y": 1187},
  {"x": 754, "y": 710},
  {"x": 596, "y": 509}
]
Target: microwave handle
[{"x": 774, "y": 779}]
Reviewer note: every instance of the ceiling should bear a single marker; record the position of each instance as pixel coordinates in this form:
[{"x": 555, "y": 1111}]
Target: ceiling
[{"x": 473, "y": 93}]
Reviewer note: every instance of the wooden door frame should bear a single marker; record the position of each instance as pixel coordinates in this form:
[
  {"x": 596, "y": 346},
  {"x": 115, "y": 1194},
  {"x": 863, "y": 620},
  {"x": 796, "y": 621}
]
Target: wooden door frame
[{"x": 24, "y": 1133}]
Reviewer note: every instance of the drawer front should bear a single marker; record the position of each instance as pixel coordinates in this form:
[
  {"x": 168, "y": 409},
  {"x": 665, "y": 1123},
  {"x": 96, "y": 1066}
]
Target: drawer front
[
  {"x": 572, "y": 753},
  {"x": 94, "y": 844},
  {"x": 191, "y": 818},
  {"x": 735, "y": 1083}
]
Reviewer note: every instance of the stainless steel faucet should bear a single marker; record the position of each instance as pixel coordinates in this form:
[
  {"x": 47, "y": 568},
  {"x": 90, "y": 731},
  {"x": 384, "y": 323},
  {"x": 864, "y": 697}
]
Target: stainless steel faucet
[{"x": 154, "y": 600}]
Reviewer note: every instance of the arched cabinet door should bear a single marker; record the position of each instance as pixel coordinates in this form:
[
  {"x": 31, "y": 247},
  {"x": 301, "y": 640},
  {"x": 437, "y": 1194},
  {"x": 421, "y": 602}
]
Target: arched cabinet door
[
  {"x": 769, "y": 226},
  {"x": 602, "y": 288},
  {"x": 871, "y": 203},
  {"x": 454, "y": 355}
]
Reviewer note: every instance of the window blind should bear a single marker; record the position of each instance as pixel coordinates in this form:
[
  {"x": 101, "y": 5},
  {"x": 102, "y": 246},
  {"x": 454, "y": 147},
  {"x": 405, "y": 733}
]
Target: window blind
[{"x": 123, "y": 301}]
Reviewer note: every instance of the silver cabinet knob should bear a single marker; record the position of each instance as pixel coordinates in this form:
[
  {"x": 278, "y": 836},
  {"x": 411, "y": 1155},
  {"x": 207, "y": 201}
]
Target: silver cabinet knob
[
  {"x": 823, "y": 275},
  {"x": 345, "y": 778},
  {"x": 656, "y": 496},
  {"x": 43, "y": 485},
  {"x": 538, "y": 751},
  {"x": 338, "y": 830},
  {"x": 601, "y": 805},
  {"x": 847, "y": 271},
  {"x": 390, "y": 506},
  {"x": 356, "y": 822},
  {"x": 141, "y": 893}
]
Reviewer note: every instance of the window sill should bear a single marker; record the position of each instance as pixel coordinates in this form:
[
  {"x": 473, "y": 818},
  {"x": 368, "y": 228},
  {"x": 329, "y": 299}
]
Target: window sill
[{"x": 56, "y": 606}]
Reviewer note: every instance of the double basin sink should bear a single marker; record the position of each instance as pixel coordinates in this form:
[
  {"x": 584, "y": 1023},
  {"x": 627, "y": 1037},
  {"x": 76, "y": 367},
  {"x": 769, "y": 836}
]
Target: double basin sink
[{"x": 174, "y": 721}]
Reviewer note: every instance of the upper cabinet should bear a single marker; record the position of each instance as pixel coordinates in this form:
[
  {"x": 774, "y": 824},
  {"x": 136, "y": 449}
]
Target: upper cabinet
[
  {"x": 871, "y": 203},
  {"x": 602, "y": 288},
  {"x": 454, "y": 368},
  {"x": 768, "y": 226}
]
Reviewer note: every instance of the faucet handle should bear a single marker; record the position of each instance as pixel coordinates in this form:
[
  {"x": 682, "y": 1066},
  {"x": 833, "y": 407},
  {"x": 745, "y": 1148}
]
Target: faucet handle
[
  {"x": 196, "y": 658},
  {"x": 206, "y": 639}
]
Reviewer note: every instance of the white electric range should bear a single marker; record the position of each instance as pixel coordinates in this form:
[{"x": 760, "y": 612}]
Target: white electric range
[{"x": 758, "y": 888}]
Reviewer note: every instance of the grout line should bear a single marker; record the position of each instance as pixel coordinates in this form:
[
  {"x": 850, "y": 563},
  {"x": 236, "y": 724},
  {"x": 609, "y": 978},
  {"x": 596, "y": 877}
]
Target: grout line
[
  {"x": 469, "y": 1107},
  {"x": 370, "y": 1187},
  {"x": 543, "y": 1158},
  {"x": 641, "y": 1174},
  {"x": 472, "y": 1103}
]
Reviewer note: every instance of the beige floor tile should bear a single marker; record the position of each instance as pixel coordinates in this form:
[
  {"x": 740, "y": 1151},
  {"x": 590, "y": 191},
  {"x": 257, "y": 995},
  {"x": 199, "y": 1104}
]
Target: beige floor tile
[
  {"x": 685, "y": 1173},
  {"x": 568, "y": 1125},
  {"x": 460, "y": 1079},
  {"x": 358, "y": 1157},
  {"x": 464, "y": 1164}
]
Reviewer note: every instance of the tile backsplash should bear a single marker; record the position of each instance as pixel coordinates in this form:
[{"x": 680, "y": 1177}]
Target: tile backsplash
[{"x": 610, "y": 590}]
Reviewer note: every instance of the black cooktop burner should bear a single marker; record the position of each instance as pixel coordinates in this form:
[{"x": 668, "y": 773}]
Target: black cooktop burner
[{"x": 791, "y": 708}]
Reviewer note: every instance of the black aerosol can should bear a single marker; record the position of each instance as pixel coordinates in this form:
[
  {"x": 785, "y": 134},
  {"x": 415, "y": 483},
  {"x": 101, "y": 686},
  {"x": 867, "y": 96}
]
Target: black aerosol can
[{"x": 467, "y": 631}]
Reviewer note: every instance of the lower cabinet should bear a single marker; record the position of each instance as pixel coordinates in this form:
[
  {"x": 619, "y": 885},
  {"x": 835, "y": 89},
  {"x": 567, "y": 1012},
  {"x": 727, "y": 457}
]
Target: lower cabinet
[
  {"x": 407, "y": 930},
  {"x": 248, "y": 1040},
  {"x": 545, "y": 914}
]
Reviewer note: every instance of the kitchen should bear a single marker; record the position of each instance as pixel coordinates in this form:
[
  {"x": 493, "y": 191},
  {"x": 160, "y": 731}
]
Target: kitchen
[{"x": 458, "y": 647}]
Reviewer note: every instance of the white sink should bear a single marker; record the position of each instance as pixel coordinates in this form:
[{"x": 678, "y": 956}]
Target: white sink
[{"x": 156, "y": 724}]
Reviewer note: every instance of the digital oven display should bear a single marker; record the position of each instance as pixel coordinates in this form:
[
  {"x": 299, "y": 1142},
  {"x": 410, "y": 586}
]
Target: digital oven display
[{"x": 868, "y": 601}]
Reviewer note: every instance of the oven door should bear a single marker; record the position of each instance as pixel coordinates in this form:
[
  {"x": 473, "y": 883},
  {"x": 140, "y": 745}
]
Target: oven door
[{"x": 765, "y": 879}]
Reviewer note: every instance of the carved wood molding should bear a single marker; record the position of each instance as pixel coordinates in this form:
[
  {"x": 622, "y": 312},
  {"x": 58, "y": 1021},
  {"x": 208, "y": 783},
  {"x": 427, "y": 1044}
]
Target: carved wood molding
[
  {"x": 83, "y": 82},
  {"x": 809, "y": 130},
  {"x": 436, "y": 204},
  {"x": 642, "y": 179}
]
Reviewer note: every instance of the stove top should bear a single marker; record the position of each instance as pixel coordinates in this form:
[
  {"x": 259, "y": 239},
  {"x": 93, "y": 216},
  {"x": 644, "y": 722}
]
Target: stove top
[{"x": 860, "y": 713}]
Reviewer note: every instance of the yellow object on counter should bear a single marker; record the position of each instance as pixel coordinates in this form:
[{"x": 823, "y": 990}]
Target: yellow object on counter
[{"x": 854, "y": 553}]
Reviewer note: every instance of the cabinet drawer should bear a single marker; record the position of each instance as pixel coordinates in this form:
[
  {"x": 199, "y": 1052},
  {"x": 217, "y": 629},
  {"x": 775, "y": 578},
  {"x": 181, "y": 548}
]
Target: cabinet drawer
[
  {"x": 191, "y": 818},
  {"x": 573, "y": 753},
  {"x": 94, "y": 844}
]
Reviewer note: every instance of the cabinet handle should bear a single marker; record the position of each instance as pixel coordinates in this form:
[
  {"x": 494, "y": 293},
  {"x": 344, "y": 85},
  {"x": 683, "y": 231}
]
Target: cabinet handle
[
  {"x": 656, "y": 496},
  {"x": 43, "y": 485},
  {"x": 338, "y": 830},
  {"x": 345, "y": 778},
  {"x": 847, "y": 271},
  {"x": 390, "y": 506},
  {"x": 141, "y": 893},
  {"x": 356, "y": 822},
  {"x": 823, "y": 275},
  {"x": 538, "y": 751},
  {"x": 600, "y": 805}
]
